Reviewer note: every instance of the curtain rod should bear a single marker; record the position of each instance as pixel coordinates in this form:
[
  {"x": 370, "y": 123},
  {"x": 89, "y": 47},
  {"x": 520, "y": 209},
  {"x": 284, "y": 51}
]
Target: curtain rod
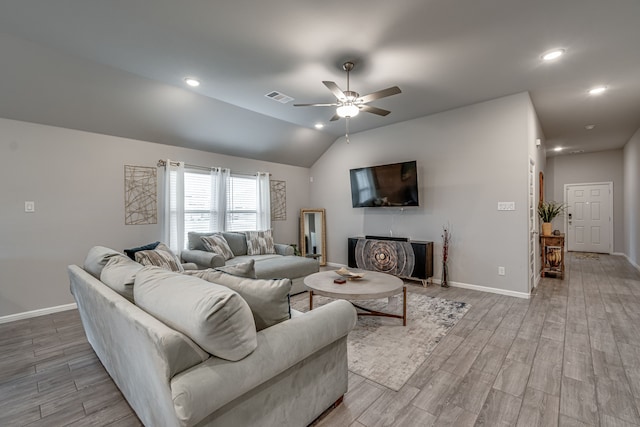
[{"x": 163, "y": 163}]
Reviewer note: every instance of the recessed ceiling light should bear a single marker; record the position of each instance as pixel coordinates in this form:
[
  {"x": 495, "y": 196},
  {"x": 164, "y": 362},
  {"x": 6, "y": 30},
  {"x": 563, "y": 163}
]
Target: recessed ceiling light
[
  {"x": 192, "y": 82},
  {"x": 554, "y": 54},
  {"x": 557, "y": 149},
  {"x": 597, "y": 90},
  {"x": 590, "y": 127},
  {"x": 318, "y": 125}
]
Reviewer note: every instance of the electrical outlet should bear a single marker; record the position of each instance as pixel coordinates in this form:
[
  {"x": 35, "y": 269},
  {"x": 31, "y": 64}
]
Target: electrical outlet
[
  {"x": 29, "y": 207},
  {"x": 501, "y": 271}
]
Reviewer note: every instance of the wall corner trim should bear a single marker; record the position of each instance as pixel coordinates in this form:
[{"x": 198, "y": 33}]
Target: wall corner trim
[{"x": 36, "y": 313}]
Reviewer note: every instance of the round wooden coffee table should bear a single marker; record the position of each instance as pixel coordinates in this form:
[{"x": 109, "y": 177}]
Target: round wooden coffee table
[{"x": 372, "y": 286}]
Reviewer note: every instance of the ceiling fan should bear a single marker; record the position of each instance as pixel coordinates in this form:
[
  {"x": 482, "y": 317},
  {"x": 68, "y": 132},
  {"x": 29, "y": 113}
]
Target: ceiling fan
[{"x": 350, "y": 103}]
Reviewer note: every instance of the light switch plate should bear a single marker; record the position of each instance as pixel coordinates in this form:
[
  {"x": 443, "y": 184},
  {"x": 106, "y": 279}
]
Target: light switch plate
[
  {"x": 506, "y": 206},
  {"x": 29, "y": 206}
]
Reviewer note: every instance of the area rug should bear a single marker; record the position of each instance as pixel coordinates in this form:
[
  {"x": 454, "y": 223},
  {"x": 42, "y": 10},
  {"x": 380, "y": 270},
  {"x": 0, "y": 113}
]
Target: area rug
[
  {"x": 587, "y": 255},
  {"x": 383, "y": 350}
]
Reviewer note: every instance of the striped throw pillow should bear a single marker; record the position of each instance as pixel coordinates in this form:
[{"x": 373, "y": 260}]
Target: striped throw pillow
[
  {"x": 217, "y": 244},
  {"x": 260, "y": 242},
  {"x": 162, "y": 257}
]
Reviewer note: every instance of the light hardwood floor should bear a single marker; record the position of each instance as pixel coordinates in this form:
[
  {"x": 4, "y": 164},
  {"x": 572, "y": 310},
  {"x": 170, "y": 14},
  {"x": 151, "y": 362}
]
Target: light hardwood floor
[{"x": 570, "y": 356}]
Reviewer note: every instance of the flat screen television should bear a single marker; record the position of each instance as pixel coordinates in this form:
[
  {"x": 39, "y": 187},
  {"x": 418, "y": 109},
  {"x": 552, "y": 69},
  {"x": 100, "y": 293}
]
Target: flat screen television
[{"x": 386, "y": 185}]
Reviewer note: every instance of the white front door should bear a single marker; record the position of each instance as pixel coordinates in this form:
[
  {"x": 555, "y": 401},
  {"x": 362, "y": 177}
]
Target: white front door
[{"x": 588, "y": 217}]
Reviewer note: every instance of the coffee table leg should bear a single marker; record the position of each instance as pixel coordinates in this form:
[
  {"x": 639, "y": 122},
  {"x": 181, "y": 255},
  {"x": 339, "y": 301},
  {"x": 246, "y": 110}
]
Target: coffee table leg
[
  {"x": 310, "y": 300},
  {"x": 404, "y": 306}
]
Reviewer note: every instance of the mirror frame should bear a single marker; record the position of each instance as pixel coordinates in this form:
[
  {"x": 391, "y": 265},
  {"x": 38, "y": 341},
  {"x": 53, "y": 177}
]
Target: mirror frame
[{"x": 323, "y": 247}]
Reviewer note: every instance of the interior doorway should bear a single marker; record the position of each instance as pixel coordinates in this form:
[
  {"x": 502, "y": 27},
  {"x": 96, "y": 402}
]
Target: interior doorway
[{"x": 588, "y": 218}]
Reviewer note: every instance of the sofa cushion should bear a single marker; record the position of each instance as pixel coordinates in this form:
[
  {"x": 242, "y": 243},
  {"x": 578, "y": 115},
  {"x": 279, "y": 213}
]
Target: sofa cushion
[
  {"x": 161, "y": 256},
  {"x": 131, "y": 253},
  {"x": 285, "y": 266},
  {"x": 119, "y": 274},
  {"x": 243, "y": 269},
  {"x": 216, "y": 243},
  {"x": 237, "y": 242},
  {"x": 194, "y": 242},
  {"x": 97, "y": 258},
  {"x": 260, "y": 242},
  {"x": 268, "y": 299},
  {"x": 215, "y": 317}
]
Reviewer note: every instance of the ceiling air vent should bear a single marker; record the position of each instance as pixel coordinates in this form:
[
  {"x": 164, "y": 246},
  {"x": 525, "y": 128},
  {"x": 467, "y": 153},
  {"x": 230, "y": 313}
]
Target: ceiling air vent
[{"x": 280, "y": 97}]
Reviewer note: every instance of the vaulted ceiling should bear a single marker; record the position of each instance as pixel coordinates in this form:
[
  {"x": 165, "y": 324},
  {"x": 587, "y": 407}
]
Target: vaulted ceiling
[{"x": 118, "y": 68}]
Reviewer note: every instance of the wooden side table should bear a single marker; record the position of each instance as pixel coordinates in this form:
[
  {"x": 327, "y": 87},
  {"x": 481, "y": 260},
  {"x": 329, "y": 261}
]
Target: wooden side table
[{"x": 552, "y": 255}]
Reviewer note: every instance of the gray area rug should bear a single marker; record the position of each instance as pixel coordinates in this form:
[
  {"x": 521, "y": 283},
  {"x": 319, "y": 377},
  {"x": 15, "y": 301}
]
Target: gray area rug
[{"x": 383, "y": 350}]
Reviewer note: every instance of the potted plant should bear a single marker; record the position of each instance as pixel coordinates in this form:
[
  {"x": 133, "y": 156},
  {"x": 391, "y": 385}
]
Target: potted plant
[{"x": 547, "y": 212}]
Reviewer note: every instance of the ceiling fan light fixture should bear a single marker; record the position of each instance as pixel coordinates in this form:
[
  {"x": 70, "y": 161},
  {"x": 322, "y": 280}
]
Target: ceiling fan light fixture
[
  {"x": 597, "y": 90},
  {"x": 553, "y": 54},
  {"x": 347, "y": 111},
  {"x": 192, "y": 82}
]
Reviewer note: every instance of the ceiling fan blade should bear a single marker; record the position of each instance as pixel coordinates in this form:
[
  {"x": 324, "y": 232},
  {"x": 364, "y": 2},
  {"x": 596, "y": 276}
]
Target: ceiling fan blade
[
  {"x": 337, "y": 92},
  {"x": 334, "y": 118},
  {"x": 381, "y": 94},
  {"x": 315, "y": 105},
  {"x": 374, "y": 110}
]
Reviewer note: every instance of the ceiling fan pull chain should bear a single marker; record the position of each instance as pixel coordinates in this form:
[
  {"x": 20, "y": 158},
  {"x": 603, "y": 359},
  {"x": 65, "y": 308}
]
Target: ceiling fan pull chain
[{"x": 346, "y": 135}]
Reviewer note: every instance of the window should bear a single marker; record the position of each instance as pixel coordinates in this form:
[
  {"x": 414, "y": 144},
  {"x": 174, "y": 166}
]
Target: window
[
  {"x": 242, "y": 203},
  {"x": 200, "y": 211},
  {"x": 203, "y": 200}
]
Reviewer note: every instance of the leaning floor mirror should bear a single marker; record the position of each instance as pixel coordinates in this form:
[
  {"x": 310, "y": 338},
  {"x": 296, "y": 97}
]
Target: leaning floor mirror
[{"x": 312, "y": 234}]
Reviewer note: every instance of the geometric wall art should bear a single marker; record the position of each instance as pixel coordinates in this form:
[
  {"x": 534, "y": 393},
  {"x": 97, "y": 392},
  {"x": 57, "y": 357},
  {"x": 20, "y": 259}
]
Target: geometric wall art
[
  {"x": 278, "y": 200},
  {"x": 140, "y": 195}
]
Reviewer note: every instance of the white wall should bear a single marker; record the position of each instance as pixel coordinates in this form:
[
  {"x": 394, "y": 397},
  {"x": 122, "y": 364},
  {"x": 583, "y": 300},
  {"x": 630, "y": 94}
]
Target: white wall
[
  {"x": 538, "y": 155},
  {"x": 632, "y": 199},
  {"x": 602, "y": 166},
  {"x": 468, "y": 160},
  {"x": 76, "y": 180}
]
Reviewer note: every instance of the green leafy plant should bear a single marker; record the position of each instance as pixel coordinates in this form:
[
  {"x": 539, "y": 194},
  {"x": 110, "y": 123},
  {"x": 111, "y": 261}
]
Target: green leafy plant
[{"x": 547, "y": 211}]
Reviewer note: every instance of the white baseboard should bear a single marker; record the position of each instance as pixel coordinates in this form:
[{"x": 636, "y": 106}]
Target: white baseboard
[
  {"x": 335, "y": 264},
  {"x": 486, "y": 289},
  {"x": 636, "y": 266},
  {"x": 467, "y": 286},
  {"x": 36, "y": 313}
]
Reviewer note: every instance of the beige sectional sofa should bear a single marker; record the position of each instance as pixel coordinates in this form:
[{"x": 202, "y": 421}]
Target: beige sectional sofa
[
  {"x": 190, "y": 352},
  {"x": 282, "y": 264}
]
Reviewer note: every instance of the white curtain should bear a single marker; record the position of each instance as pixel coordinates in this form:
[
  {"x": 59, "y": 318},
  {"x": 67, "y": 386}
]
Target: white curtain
[
  {"x": 173, "y": 227},
  {"x": 219, "y": 178},
  {"x": 263, "y": 220}
]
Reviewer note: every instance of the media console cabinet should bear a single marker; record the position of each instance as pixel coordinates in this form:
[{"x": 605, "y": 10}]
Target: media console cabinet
[{"x": 392, "y": 255}]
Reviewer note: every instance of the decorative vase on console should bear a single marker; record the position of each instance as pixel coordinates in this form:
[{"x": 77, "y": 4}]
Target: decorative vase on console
[{"x": 446, "y": 237}]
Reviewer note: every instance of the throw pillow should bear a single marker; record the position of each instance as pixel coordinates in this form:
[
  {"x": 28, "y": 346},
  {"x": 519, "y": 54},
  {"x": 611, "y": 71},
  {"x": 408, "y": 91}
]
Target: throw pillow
[
  {"x": 260, "y": 243},
  {"x": 244, "y": 269},
  {"x": 213, "y": 316},
  {"x": 217, "y": 244},
  {"x": 162, "y": 257},
  {"x": 131, "y": 253},
  {"x": 119, "y": 274},
  {"x": 267, "y": 298},
  {"x": 97, "y": 258}
]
